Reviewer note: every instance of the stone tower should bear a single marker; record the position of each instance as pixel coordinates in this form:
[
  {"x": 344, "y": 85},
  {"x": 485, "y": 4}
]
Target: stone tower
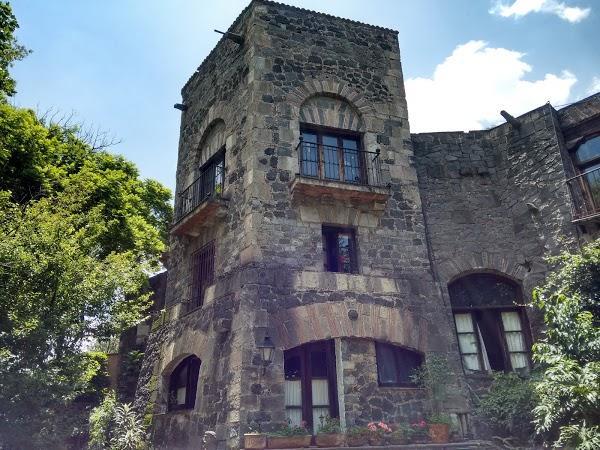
[{"x": 299, "y": 228}]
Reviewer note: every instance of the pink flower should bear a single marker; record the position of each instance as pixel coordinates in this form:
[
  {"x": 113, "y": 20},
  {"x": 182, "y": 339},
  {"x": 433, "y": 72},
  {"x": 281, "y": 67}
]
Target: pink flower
[{"x": 372, "y": 427}]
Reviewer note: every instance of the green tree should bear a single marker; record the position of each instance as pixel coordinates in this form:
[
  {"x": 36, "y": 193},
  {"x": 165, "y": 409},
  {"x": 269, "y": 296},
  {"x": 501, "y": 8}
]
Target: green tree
[
  {"x": 568, "y": 412},
  {"x": 74, "y": 263},
  {"x": 10, "y": 50}
]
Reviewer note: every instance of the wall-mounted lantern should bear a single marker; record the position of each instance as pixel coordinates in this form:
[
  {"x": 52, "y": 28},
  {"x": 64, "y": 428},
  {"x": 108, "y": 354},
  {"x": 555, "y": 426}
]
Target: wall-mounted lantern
[{"x": 267, "y": 350}]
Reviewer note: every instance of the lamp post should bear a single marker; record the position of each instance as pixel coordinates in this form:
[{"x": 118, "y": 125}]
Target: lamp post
[{"x": 267, "y": 349}]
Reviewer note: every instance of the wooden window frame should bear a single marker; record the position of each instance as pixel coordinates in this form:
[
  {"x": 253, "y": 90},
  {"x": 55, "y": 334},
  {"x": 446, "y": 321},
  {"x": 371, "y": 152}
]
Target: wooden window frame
[
  {"x": 340, "y": 134},
  {"x": 581, "y": 169},
  {"x": 303, "y": 352},
  {"x": 202, "y": 274},
  {"x": 525, "y": 330},
  {"x": 193, "y": 364},
  {"x": 331, "y": 254},
  {"x": 397, "y": 351}
]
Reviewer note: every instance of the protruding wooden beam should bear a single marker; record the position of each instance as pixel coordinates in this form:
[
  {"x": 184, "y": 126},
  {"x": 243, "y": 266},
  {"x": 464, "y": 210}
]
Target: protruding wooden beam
[
  {"x": 180, "y": 106},
  {"x": 510, "y": 119},
  {"x": 232, "y": 37}
]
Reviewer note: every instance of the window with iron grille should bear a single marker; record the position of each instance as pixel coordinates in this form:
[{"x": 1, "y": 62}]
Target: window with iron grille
[
  {"x": 332, "y": 155},
  {"x": 203, "y": 272}
]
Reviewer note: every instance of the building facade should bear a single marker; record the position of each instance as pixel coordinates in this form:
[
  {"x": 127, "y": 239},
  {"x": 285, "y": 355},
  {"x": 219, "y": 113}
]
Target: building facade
[{"x": 309, "y": 220}]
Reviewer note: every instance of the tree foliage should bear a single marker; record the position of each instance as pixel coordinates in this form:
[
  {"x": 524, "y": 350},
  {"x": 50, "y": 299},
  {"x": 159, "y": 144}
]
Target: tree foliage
[
  {"x": 568, "y": 412},
  {"x": 79, "y": 234},
  {"x": 10, "y": 50}
]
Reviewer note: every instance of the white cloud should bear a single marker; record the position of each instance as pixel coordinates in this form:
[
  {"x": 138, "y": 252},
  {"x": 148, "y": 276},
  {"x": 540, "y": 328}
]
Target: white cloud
[
  {"x": 521, "y": 8},
  {"x": 470, "y": 87},
  {"x": 594, "y": 86}
]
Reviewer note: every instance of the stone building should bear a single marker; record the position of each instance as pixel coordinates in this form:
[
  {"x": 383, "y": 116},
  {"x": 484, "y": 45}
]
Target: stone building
[{"x": 310, "y": 220}]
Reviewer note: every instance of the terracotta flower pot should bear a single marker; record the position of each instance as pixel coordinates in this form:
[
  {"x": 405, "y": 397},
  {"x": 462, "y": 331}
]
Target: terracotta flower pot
[
  {"x": 329, "y": 440},
  {"x": 439, "y": 433},
  {"x": 356, "y": 440},
  {"x": 255, "y": 441},
  {"x": 289, "y": 441}
]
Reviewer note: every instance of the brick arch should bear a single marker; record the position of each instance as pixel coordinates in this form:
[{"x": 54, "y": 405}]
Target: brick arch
[
  {"x": 319, "y": 321},
  {"x": 331, "y": 88},
  {"x": 501, "y": 264},
  {"x": 330, "y": 111}
]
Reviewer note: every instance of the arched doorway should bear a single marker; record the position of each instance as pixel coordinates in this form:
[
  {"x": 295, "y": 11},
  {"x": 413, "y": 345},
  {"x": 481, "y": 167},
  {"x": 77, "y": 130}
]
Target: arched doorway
[
  {"x": 491, "y": 324},
  {"x": 310, "y": 384}
]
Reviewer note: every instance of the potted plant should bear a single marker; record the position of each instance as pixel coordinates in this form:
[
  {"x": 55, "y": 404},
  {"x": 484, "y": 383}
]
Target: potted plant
[
  {"x": 357, "y": 436},
  {"x": 254, "y": 439},
  {"x": 398, "y": 436},
  {"x": 377, "y": 431},
  {"x": 417, "y": 432},
  {"x": 433, "y": 376},
  {"x": 329, "y": 434},
  {"x": 439, "y": 428},
  {"x": 290, "y": 436}
]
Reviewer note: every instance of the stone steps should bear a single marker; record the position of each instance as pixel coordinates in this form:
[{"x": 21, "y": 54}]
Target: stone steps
[{"x": 466, "y": 445}]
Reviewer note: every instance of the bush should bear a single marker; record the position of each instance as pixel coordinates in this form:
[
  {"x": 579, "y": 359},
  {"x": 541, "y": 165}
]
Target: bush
[
  {"x": 115, "y": 426},
  {"x": 508, "y": 405}
]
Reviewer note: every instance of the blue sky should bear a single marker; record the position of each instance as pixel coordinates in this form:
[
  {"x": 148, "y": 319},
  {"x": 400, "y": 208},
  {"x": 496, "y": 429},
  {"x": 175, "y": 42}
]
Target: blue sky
[{"x": 120, "y": 64}]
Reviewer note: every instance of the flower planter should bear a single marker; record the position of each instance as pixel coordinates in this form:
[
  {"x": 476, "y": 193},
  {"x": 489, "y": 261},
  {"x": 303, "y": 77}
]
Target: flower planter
[
  {"x": 300, "y": 441},
  {"x": 357, "y": 440},
  {"x": 329, "y": 440},
  {"x": 396, "y": 439},
  {"x": 439, "y": 433},
  {"x": 375, "y": 440},
  {"x": 255, "y": 441}
]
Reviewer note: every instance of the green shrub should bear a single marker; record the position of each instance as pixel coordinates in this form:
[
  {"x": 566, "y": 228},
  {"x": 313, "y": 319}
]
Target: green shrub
[{"x": 508, "y": 405}]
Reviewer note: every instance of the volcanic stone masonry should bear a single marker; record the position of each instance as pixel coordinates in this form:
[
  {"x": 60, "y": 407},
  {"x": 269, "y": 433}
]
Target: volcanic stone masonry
[{"x": 429, "y": 209}]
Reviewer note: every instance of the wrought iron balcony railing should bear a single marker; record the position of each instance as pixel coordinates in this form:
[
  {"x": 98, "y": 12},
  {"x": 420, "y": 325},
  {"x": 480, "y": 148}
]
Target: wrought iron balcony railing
[
  {"x": 208, "y": 185},
  {"x": 347, "y": 165},
  {"x": 585, "y": 194}
]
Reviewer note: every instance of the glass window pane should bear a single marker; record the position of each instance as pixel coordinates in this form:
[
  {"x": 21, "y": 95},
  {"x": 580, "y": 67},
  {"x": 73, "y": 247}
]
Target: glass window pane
[
  {"x": 292, "y": 367},
  {"x": 588, "y": 151},
  {"x": 467, "y": 343},
  {"x": 471, "y": 362},
  {"x": 511, "y": 321},
  {"x": 294, "y": 416},
  {"x": 319, "y": 414},
  {"x": 386, "y": 365},
  {"x": 464, "y": 323},
  {"x": 344, "y": 252},
  {"x": 331, "y": 157},
  {"x": 518, "y": 361},
  {"x": 515, "y": 341},
  {"x": 293, "y": 393},
  {"x": 181, "y": 395},
  {"x": 318, "y": 363},
  {"x": 408, "y": 361},
  {"x": 320, "y": 392},
  {"x": 352, "y": 173}
]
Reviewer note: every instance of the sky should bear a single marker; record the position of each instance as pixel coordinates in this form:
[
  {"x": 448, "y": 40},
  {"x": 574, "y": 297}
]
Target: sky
[{"x": 119, "y": 65}]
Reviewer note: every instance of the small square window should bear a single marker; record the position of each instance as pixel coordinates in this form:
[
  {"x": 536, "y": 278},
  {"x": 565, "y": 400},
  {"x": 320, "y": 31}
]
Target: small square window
[
  {"x": 396, "y": 365},
  {"x": 339, "y": 249}
]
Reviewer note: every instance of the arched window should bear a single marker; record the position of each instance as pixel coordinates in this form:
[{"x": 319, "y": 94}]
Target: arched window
[
  {"x": 587, "y": 161},
  {"x": 491, "y": 328},
  {"x": 396, "y": 365},
  {"x": 183, "y": 383}
]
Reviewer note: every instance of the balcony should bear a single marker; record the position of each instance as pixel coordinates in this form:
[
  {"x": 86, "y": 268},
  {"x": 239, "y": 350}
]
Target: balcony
[
  {"x": 585, "y": 195},
  {"x": 339, "y": 173},
  {"x": 201, "y": 202}
]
